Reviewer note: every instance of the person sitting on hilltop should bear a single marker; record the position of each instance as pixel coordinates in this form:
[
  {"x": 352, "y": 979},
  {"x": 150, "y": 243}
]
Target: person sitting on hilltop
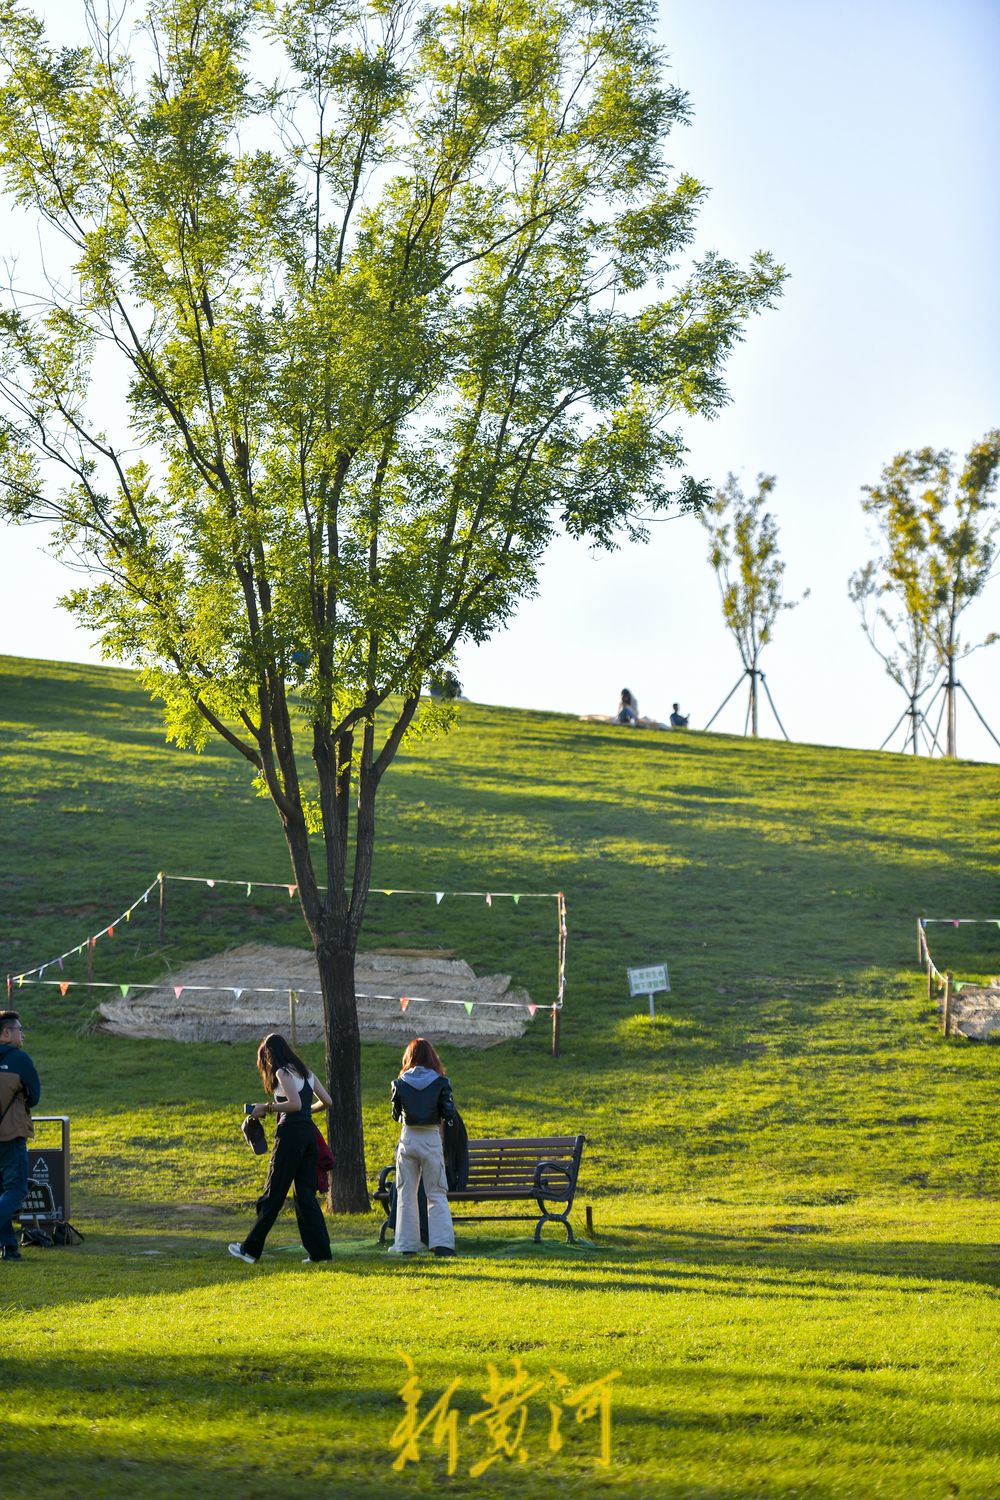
[
  {"x": 628, "y": 709},
  {"x": 677, "y": 719}
]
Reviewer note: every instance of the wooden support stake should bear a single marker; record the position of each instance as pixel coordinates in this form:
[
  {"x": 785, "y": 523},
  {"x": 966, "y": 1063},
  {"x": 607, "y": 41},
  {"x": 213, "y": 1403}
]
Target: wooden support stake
[
  {"x": 293, "y": 1001},
  {"x": 91, "y": 943},
  {"x": 590, "y": 1220},
  {"x": 946, "y": 1018},
  {"x": 920, "y": 946},
  {"x": 930, "y": 981},
  {"x": 556, "y": 1011},
  {"x": 163, "y": 902}
]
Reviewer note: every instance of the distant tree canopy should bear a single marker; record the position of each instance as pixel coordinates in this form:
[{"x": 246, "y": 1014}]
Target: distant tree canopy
[
  {"x": 938, "y": 533},
  {"x": 445, "y": 685},
  {"x": 386, "y": 283},
  {"x": 743, "y": 550}
]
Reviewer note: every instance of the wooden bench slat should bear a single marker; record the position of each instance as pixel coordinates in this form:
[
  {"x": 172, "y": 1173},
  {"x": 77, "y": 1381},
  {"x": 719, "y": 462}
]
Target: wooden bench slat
[{"x": 528, "y": 1143}]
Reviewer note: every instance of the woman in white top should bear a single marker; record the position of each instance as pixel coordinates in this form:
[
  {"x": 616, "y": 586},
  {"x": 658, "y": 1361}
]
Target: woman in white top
[{"x": 296, "y": 1092}]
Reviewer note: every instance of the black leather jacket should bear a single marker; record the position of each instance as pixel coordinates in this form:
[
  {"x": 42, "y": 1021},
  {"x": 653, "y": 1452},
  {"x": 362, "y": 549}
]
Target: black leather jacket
[{"x": 424, "y": 1106}]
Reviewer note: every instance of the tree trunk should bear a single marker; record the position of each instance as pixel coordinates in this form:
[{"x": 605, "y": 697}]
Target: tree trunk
[
  {"x": 950, "y": 687},
  {"x": 335, "y": 961}
]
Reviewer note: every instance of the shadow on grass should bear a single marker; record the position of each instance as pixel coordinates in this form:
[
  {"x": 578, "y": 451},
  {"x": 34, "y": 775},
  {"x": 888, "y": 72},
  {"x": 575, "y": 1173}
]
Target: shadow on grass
[
  {"x": 234, "y": 1422},
  {"x": 801, "y": 1249}
]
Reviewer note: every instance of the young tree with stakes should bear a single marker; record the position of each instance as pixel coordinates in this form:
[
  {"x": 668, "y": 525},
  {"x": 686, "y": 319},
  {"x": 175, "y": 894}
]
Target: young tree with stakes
[
  {"x": 382, "y": 278},
  {"x": 883, "y": 591},
  {"x": 743, "y": 550},
  {"x": 939, "y": 536}
]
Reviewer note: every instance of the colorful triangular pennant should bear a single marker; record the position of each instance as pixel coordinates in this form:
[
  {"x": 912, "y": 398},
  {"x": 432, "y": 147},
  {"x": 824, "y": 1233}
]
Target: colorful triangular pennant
[
  {"x": 531, "y": 1011},
  {"x": 63, "y": 986},
  {"x": 404, "y": 1001},
  {"x": 468, "y": 1007},
  {"x": 124, "y": 989},
  {"x": 237, "y": 994},
  {"x": 438, "y": 897},
  {"x": 516, "y": 900},
  {"x": 178, "y": 991},
  {"x": 291, "y": 891}
]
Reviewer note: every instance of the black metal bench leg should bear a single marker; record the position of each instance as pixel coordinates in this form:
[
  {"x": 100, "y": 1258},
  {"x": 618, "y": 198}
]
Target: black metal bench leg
[{"x": 548, "y": 1218}]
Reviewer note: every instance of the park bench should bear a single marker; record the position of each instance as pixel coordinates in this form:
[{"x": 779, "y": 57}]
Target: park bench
[{"x": 542, "y": 1168}]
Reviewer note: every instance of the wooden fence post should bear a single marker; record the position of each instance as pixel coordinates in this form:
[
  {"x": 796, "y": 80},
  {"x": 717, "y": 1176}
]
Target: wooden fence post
[
  {"x": 920, "y": 946},
  {"x": 163, "y": 902},
  {"x": 556, "y": 1012},
  {"x": 91, "y": 943},
  {"x": 930, "y": 981},
  {"x": 946, "y": 1018},
  {"x": 293, "y": 1001}
]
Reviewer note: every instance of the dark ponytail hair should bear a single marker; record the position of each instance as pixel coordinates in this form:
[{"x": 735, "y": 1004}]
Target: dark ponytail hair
[{"x": 274, "y": 1053}]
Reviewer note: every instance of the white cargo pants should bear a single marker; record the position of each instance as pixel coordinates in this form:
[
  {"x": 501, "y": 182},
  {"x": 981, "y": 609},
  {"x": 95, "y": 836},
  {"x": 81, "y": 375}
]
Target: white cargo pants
[{"x": 420, "y": 1157}]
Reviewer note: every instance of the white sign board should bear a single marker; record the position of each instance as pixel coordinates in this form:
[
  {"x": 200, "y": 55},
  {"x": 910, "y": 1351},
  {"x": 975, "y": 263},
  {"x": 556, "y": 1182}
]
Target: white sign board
[{"x": 648, "y": 981}]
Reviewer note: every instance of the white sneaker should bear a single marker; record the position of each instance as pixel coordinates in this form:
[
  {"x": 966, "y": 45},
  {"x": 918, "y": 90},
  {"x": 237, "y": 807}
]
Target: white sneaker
[{"x": 237, "y": 1250}]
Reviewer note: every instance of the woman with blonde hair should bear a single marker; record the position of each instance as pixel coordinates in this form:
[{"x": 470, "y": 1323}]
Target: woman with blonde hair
[
  {"x": 423, "y": 1102},
  {"x": 296, "y": 1092}
]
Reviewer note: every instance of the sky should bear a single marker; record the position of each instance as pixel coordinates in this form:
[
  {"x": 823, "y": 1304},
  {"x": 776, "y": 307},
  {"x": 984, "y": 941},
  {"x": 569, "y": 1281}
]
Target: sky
[{"x": 860, "y": 144}]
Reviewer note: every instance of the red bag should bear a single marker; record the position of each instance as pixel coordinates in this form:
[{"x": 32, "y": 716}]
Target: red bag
[{"x": 324, "y": 1162}]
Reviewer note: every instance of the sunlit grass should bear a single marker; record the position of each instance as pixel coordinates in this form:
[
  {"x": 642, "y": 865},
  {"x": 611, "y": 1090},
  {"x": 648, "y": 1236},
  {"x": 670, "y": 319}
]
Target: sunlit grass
[{"x": 793, "y": 1177}]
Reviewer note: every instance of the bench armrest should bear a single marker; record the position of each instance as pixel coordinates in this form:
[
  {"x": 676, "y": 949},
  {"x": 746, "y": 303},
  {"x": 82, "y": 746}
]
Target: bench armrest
[
  {"x": 544, "y": 1170},
  {"x": 384, "y": 1175}
]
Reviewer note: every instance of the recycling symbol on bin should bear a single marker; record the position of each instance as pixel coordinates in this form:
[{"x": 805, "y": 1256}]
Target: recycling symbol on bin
[{"x": 40, "y": 1170}]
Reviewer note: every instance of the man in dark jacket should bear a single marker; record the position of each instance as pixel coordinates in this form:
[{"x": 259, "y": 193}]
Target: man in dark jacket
[{"x": 19, "y": 1093}]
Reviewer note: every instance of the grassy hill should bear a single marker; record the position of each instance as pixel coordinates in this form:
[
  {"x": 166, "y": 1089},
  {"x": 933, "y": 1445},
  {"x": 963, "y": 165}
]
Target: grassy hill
[{"x": 793, "y": 1178}]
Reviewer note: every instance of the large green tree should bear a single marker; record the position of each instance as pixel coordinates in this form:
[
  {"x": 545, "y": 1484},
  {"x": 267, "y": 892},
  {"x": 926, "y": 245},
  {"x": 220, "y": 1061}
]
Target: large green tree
[
  {"x": 388, "y": 285},
  {"x": 938, "y": 529}
]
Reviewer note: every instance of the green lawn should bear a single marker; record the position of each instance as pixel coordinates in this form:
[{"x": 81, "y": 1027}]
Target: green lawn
[{"x": 793, "y": 1178}]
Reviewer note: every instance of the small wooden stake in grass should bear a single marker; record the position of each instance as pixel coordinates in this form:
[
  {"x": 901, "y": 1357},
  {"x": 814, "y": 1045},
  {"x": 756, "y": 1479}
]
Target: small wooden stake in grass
[
  {"x": 90, "y": 960},
  {"x": 163, "y": 902},
  {"x": 556, "y": 1012},
  {"x": 590, "y": 1220},
  {"x": 930, "y": 980},
  {"x": 293, "y": 1001},
  {"x": 946, "y": 1018}
]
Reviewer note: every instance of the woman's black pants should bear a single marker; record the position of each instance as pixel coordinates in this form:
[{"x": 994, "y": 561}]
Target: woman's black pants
[{"x": 293, "y": 1163}]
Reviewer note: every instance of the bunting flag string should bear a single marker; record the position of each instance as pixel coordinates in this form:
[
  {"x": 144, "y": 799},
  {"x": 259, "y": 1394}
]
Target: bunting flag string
[
  {"x": 107, "y": 930},
  {"x": 961, "y": 921},
  {"x": 259, "y": 989},
  {"x": 922, "y": 923},
  {"x": 282, "y": 885}
]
